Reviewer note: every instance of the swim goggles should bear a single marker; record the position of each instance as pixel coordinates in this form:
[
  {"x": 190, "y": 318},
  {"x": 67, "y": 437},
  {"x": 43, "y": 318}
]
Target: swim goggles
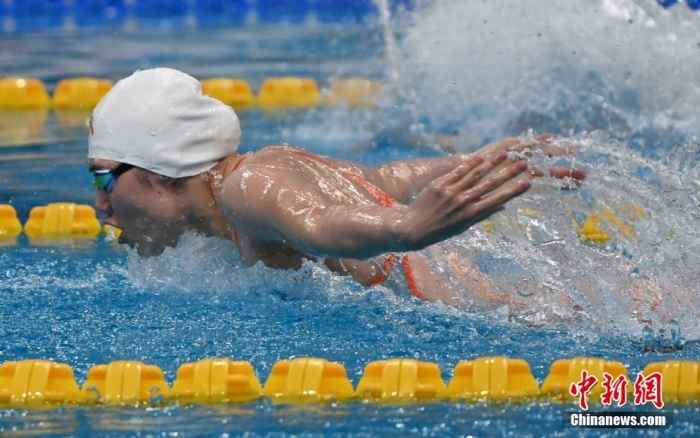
[{"x": 106, "y": 178}]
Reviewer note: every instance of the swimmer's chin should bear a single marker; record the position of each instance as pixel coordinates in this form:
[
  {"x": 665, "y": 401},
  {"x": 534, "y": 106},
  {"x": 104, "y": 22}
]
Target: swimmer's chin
[{"x": 144, "y": 249}]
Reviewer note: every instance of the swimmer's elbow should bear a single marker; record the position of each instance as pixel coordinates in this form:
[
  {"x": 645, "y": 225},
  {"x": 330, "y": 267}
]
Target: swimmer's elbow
[
  {"x": 331, "y": 245},
  {"x": 349, "y": 234}
]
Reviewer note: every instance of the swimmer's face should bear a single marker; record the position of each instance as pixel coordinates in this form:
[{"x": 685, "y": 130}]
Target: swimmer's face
[{"x": 144, "y": 206}]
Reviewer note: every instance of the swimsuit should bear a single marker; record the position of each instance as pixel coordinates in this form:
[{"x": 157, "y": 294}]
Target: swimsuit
[{"x": 382, "y": 198}]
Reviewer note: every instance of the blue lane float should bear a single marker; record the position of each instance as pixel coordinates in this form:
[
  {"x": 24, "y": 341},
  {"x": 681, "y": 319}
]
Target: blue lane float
[
  {"x": 160, "y": 9},
  {"x": 217, "y": 12},
  {"x": 692, "y": 4},
  {"x": 34, "y": 15},
  {"x": 347, "y": 11},
  {"x": 98, "y": 13},
  {"x": 276, "y": 11}
]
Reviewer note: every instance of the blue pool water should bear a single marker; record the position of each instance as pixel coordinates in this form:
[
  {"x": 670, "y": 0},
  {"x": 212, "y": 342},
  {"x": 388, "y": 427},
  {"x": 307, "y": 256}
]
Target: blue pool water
[{"x": 95, "y": 303}]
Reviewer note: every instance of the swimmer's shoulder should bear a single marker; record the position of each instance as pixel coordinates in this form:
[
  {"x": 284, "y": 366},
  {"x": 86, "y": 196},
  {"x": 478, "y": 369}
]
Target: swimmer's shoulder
[
  {"x": 250, "y": 193},
  {"x": 283, "y": 156},
  {"x": 256, "y": 172}
]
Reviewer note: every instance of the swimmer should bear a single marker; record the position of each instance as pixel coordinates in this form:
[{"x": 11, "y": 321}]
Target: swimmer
[{"x": 164, "y": 159}]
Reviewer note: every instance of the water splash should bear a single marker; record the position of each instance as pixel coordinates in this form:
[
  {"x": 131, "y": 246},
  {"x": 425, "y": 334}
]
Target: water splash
[
  {"x": 391, "y": 51},
  {"x": 490, "y": 69},
  {"x": 210, "y": 264},
  {"x": 644, "y": 276}
]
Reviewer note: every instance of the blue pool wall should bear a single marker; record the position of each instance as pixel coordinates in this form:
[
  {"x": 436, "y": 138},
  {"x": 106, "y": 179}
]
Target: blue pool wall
[{"x": 18, "y": 16}]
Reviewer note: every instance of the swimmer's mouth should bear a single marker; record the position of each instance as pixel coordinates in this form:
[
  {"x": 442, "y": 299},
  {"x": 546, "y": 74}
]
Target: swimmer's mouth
[{"x": 144, "y": 249}]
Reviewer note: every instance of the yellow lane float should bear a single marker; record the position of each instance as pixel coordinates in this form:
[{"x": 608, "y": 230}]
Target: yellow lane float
[
  {"x": 125, "y": 383},
  {"x": 591, "y": 230},
  {"x": 493, "y": 379},
  {"x": 111, "y": 232},
  {"x": 37, "y": 383},
  {"x": 23, "y": 94},
  {"x": 308, "y": 380},
  {"x": 62, "y": 221},
  {"x": 216, "y": 381},
  {"x": 288, "y": 93},
  {"x": 610, "y": 217},
  {"x": 565, "y": 372},
  {"x": 681, "y": 380},
  {"x": 80, "y": 93},
  {"x": 401, "y": 381},
  {"x": 234, "y": 92},
  {"x": 354, "y": 92},
  {"x": 10, "y": 227},
  {"x": 41, "y": 383}
]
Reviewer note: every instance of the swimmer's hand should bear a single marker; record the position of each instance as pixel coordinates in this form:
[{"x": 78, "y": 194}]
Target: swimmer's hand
[
  {"x": 572, "y": 176},
  {"x": 468, "y": 194}
]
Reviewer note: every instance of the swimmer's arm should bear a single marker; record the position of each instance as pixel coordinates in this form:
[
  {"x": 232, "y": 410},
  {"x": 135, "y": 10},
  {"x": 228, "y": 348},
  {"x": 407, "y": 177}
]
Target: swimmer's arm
[
  {"x": 404, "y": 179},
  {"x": 277, "y": 205},
  {"x": 272, "y": 205}
]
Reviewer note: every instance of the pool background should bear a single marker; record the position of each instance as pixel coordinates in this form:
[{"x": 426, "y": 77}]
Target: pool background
[{"x": 82, "y": 305}]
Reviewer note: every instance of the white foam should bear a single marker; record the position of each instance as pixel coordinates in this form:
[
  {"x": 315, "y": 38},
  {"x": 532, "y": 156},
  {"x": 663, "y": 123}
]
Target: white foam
[
  {"x": 617, "y": 65},
  {"x": 212, "y": 265}
]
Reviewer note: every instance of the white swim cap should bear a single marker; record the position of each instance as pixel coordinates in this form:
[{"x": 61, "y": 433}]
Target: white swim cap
[{"x": 159, "y": 120}]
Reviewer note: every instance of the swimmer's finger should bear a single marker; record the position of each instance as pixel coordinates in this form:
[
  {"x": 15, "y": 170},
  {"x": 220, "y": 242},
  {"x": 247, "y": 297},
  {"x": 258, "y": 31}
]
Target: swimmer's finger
[
  {"x": 493, "y": 182},
  {"x": 567, "y": 172},
  {"x": 534, "y": 172},
  {"x": 556, "y": 151},
  {"x": 479, "y": 172},
  {"x": 500, "y": 147},
  {"x": 467, "y": 164},
  {"x": 545, "y": 137},
  {"x": 498, "y": 197}
]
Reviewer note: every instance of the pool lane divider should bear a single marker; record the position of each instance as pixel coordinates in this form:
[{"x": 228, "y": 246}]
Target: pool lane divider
[
  {"x": 82, "y": 93},
  {"x": 10, "y": 226},
  {"x": 216, "y": 380},
  {"x": 275, "y": 94},
  {"x": 307, "y": 380},
  {"x": 564, "y": 372},
  {"x": 62, "y": 220},
  {"x": 493, "y": 378},
  {"x": 25, "y": 102},
  {"x": 38, "y": 384},
  {"x": 401, "y": 381},
  {"x": 18, "y": 93}
]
